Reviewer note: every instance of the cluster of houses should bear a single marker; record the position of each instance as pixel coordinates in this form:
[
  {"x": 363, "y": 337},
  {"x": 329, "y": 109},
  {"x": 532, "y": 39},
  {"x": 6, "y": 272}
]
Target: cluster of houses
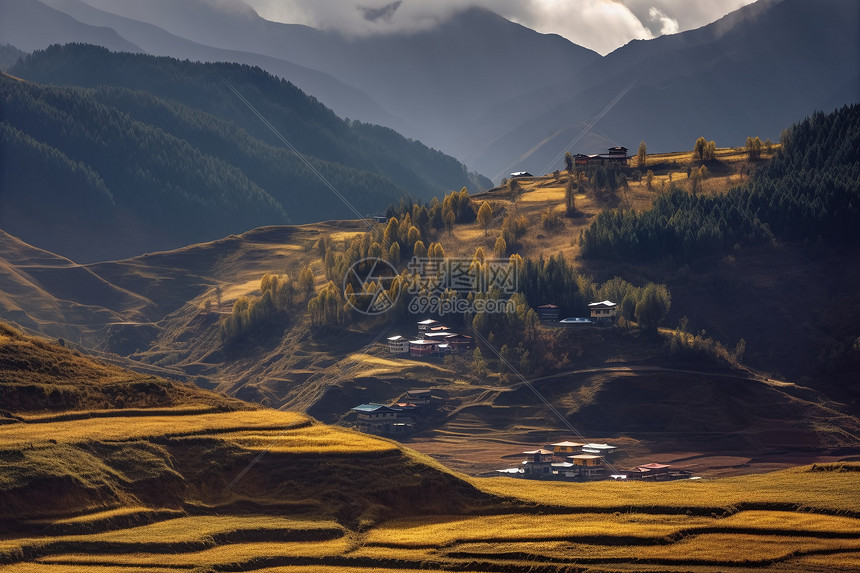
[
  {"x": 586, "y": 461},
  {"x": 433, "y": 339},
  {"x": 396, "y": 418},
  {"x": 602, "y": 313}
]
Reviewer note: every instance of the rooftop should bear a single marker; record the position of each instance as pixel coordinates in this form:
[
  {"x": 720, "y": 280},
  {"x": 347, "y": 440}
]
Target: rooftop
[
  {"x": 540, "y": 451},
  {"x": 603, "y": 303},
  {"x": 653, "y": 467},
  {"x": 372, "y": 407}
]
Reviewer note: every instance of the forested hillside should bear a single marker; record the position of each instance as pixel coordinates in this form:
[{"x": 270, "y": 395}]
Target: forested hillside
[
  {"x": 810, "y": 193},
  {"x": 171, "y": 148}
]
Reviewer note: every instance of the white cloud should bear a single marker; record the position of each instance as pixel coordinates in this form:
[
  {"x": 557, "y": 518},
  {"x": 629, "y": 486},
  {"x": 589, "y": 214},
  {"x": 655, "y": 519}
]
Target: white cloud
[
  {"x": 601, "y": 25},
  {"x": 667, "y": 25}
]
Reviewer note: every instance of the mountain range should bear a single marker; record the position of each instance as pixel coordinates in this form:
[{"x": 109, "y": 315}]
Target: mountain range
[
  {"x": 497, "y": 95},
  {"x": 138, "y": 153}
]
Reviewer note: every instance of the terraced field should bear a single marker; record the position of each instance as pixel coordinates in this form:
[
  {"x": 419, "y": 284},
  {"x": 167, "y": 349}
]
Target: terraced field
[
  {"x": 673, "y": 537},
  {"x": 200, "y": 482}
]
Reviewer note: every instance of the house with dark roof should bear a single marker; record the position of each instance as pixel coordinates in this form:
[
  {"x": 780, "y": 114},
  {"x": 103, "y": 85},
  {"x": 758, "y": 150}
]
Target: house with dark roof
[
  {"x": 614, "y": 155},
  {"x": 548, "y": 312},
  {"x": 382, "y": 420}
]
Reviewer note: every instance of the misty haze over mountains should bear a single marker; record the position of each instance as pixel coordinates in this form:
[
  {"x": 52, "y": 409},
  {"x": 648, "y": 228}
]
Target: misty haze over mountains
[{"x": 496, "y": 95}]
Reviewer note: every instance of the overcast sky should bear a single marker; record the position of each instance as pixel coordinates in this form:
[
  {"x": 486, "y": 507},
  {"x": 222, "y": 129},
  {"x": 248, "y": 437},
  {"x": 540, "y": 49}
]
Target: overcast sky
[{"x": 601, "y": 25}]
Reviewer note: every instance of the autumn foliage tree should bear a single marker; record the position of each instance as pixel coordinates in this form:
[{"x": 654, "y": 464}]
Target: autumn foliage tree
[
  {"x": 570, "y": 199},
  {"x": 704, "y": 150},
  {"x": 754, "y": 146},
  {"x": 485, "y": 216}
]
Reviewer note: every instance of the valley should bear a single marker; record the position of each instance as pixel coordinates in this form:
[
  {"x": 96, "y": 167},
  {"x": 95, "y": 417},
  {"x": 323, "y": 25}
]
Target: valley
[
  {"x": 245, "y": 325},
  {"x": 161, "y": 313}
]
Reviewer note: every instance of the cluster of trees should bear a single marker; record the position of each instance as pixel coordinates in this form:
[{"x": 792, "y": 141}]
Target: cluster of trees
[
  {"x": 698, "y": 346},
  {"x": 604, "y": 182},
  {"x": 556, "y": 281},
  {"x": 695, "y": 177},
  {"x": 678, "y": 225},
  {"x": 754, "y": 147},
  {"x": 704, "y": 150},
  {"x": 434, "y": 216},
  {"x": 809, "y": 192},
  {"x": 280, "y": 296},
  {"x": 514, "y": 226}
]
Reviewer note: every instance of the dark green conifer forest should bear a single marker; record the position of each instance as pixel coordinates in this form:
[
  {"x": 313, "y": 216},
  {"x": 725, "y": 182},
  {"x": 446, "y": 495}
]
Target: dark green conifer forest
[
  {"x": 104, "y": 139},
  {"x": 810, "y": 192}
]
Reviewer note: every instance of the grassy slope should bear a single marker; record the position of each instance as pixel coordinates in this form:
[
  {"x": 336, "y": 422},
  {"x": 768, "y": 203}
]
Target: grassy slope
[{"x": 107, "y": 488}]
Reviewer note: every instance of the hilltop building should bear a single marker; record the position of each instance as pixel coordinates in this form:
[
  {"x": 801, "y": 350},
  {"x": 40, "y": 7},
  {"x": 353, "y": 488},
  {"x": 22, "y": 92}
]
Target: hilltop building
[{"x": 614, "y": 155}]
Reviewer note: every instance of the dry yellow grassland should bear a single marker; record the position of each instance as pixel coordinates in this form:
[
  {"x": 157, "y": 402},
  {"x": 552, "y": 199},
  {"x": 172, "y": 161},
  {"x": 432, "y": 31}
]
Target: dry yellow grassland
[
  {"x": 826, "y": 490},
  {"x": 447, "y": 530},
  {"x": 318, "y": 439},
  {"x": 232, "y": 554},
  {"x": 135, "y": 428}
]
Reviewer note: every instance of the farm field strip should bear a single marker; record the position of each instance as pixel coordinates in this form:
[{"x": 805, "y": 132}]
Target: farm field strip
[
  {"x": 709, "y": 550},
  {"x": 508, "y": 542},
  {"x": 135, "y": 428},
  {"x": 236, "y": 556},
  {"x": 313, "y": 439},
  {"x": 629, "y": 530},
  {"x": 798, "y": 489}
]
